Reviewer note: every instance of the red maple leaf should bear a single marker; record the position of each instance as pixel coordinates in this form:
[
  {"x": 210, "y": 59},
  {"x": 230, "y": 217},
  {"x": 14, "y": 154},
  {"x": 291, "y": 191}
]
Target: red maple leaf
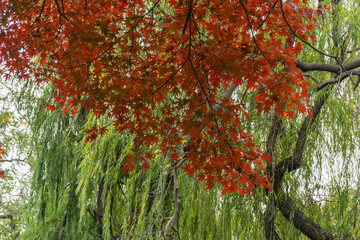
[{"x": 2, "y": 174}]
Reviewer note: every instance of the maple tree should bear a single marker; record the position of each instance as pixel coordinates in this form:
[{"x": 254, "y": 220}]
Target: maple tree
[{"x": 158, "y": 68}]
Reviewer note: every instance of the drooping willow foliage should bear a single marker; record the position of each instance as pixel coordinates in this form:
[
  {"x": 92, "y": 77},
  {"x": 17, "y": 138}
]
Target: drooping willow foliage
[{"x": 79, "y": 190}]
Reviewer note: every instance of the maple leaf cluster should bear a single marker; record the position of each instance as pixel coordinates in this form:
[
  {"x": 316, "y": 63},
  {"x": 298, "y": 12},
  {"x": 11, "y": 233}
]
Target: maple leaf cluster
[{"x": 157, "y": 67}]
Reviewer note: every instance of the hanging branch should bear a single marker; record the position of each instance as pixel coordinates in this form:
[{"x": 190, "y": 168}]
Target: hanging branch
[{"x": 300, "y": 38}]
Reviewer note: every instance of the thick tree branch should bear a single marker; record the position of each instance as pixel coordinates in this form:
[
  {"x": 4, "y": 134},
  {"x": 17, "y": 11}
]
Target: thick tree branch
[
  {"x": 294, "y": 162},
  {"x": 285, "y": 204},
  {"x": 304, "y": 224},
  {"x": 274, "y": 131},
  {"x": 333, "y": 68},
  {"x": 227, "y": 94},
  {"x": 270, "y": 232}
]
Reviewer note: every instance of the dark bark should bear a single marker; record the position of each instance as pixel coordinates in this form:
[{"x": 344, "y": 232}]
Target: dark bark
[
  {"x": 333, "y": 68},
  {"x": 271, "y": 141},
  {"x": 338, "y": 79},
  {"x": 274, "y": 131},
  {"x": 284, "y": 203},
  {"x": 294, "y": 162},
  {"x": 304, "y": 224},
  {"x": 270, "y": 232}
]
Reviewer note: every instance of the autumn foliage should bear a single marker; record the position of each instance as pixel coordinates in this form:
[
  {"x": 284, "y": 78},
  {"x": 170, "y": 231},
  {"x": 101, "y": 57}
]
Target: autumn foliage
[
  {"x": 2, "y": 172},
  {"x": 158, "y": 68}
]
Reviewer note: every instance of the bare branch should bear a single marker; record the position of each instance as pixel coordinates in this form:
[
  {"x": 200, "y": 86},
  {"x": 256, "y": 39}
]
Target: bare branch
[
  {"x": 15, "y": 160},
  {"x": 338, "y": 79},
  {"x": 333, "y": 68},
  {"x": 313, "y": 78},
  {"x": 301, "y": 39}
]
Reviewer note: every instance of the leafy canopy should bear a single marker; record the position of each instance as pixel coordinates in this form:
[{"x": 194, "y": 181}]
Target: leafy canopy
[{"x": 158, "y": 68}]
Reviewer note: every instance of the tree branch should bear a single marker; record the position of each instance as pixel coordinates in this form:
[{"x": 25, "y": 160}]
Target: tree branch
[
  {"x": 176, "y": 201},
  {"x": 294, "y": 162},
  {"x": 7, "y": 215},
  {"x": 274, "y": 131},
  {"x": 304, "y": 224},
  {"x": 338, "y": 79},
  {"x": 270, "y": 232},
  {"x": 15, "y": 160},
  {"x": 300, "y": 38},
  {"x": 313, "y": 78},
  {"x": 333, "y": 68},
  {"x": 285, "y": 204},
  {"x": 186, "y": 147}
]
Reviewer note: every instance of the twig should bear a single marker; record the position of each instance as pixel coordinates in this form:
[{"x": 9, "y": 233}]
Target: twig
[
  {"x": 15, "y": 160},
  {"x": 313, "y": 78},
  {"x": 297, "y": 36}
]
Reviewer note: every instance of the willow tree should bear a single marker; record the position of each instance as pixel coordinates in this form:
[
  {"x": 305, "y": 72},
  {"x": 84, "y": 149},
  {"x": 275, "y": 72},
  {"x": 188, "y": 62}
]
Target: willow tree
[
  {"x": 315, "y": 159},
  {"x": 15, "y": 173},
  {"x": 213, "y": 89}
]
